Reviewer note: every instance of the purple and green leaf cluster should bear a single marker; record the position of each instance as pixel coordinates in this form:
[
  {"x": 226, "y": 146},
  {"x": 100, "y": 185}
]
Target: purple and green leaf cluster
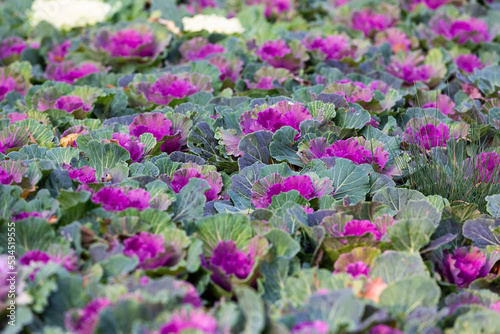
[{"x": 252, "y": 166}]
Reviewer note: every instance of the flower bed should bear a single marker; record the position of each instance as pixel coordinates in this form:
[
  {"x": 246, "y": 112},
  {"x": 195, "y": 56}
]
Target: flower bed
[{"x": 278, "y": 166}]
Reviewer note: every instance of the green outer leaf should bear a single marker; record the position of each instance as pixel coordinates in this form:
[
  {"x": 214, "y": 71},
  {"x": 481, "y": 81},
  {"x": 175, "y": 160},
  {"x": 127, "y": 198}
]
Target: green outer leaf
[
  {"x": 348, "y": 180},
  {"x": 69, "y": 295},
  {"x": 390, "y": 99},
  {"x": 190, "y": 201},
  {"x": 74, "y": 205},
  {"x": 32, "y": 152},
  {"x": 284, "y": 147},
  {"x": 118, "y": 264},
  {"x": 149, "y": 140},
  {"x": 494, "y": 117},
  {"x": 62, "y": 154},
  {"x": 291, "y": 196},
  {"x": 307, "y": 281},
  {"x": 282, "y": 169},
  {"x": 397, "y": 198},
  {"x": 252, "y": 307},
  {"x": 10, "y": 200},
  {"x": 482, "y": 232},
  {"x": 283, "y": 244},
  {"x": 354, "y": 117},
  {"x": 167, "y": 166},
  {"x": 420, "y": 209},
  {"x": 255, "y": 148},
  {"x": 493, "y": 206},
  {"x": 394, "y": 266},
  {"x": 289, "y": 217},
  {"x": 340, "y": 309},
  {"x": 82, "y": 141},
  {"x": 40, "y": 132},
  {"x": 24, "y": 317},
  {"x": 31, "y": 234},
  {"x": 242, "y": 184},
  {"x": 404, "y": 296},
  {"x": 104, "y": 156},
  {"x": 474, "y": 322},
  {"x": 193, "y": 260},
  {"x": 146, "y": 168},
  {"x": 224, "y": 226},
  {"x": 411, "y": 234},
  {"x": 320, "y": 110},
  {"x": 201, "y": 140},
  {"x": 274, "y": 275}
]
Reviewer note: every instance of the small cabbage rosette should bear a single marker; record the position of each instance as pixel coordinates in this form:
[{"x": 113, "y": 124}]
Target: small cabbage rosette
[
  {"x": 266, "y": 75},
  {"x": 462, "y": 30},
  {"x": 140, "y": 43},
  {"x": 435, "y": 100},
  {"x": 68, "y": 137},
  {"x": 429, "y": 132},
  {"x": 357, "y": 149},
  {"x": 59, "y": 52},
  {"x": 465, "y": 298},
  {"x": 84, "y": 321},
  {"x": 283, "y": 113},
  {"x": 464, "y": 265},
  {"x": 199, "y": 48},
  {"x": 157, "y": 250},
  {"x": 84, "y": 174},
  {"x": 274, "y": 8},
  {"x": 413, "y": 67},
  {"x": 17, "y": 172},
  {"x": 344, "y": 228},
  {"x": 371, "y": 96},
  {"x": 132, "y": 144},
  {"x": 370, "y": 21},
  {"x": 77, "y": 101},
  {"x": 235, "y": 264},
  {"x": 308, "y": 186},
  {"x": 180, "y": 178},
  {"x": 15, "y": 78},
  {"x": 357, "y": 262},
  {"x": 189, "y": 320},
  {"x": 355, "y": 92},
  {"x": 230, "y": 67},
  {"x": 119, "y": 199},
  {"x": 58, "y": 254},
  {"x": 173, "y": 131},
  {"x": 68, "y": 71},
  {"x": 396, "y": 38},
  {"x": 468, "y": 62},
  {"x": 335, "y": 47},
  {"x": 11, "y": 49},
  {"x": 280, "y": 54},
  {"x": 263, "y": 117},
  {"x": 149, "y": 90}
]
